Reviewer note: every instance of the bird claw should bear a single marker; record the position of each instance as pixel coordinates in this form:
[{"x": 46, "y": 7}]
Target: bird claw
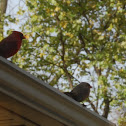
[{"x": 84, "y": 105}]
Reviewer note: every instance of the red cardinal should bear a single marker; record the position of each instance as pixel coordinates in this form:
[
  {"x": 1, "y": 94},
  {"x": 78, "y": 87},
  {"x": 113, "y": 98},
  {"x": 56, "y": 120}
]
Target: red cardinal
[
  {"x": 80, "y": 92},
  {"x": 10, "y": 45}
]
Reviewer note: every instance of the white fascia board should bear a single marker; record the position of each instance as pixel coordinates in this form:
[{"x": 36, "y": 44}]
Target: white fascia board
[{"x": 39, "y": 95}]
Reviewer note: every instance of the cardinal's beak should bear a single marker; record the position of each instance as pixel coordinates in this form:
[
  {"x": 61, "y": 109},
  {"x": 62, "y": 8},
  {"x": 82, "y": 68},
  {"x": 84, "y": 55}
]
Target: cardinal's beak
[{"x": 26, "y": 37}]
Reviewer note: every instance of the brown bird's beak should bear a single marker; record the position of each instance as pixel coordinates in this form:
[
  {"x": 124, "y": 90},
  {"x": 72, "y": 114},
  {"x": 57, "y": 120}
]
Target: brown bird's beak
[{"x": 90, "y": 86}]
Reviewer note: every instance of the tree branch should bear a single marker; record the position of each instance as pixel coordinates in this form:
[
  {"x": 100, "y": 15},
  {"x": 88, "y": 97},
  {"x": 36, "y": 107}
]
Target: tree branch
[
  {"x": 92, "y": 105},
  {"x": 64, "y": 64},
  {"x": 98, "y": 70},
  {"x": 83, "y": 43}
]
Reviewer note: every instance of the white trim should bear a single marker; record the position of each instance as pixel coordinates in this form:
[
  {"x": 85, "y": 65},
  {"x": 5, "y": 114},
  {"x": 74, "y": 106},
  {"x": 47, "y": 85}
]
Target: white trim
[{"x": 29, "y": 90}]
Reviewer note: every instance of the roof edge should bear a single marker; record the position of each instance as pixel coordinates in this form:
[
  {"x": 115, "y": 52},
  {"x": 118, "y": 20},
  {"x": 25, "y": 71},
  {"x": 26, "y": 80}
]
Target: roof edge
[{"x": 29, "y": 90}]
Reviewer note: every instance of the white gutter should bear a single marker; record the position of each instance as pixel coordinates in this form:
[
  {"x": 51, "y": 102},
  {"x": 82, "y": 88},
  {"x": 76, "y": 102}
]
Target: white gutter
[{"x": 33, "y": 92}]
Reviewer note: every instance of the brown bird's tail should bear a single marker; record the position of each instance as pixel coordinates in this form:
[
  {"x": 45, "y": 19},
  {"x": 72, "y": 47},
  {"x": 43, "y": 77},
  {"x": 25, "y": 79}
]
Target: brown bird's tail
[{"x": 68, "y": 94}]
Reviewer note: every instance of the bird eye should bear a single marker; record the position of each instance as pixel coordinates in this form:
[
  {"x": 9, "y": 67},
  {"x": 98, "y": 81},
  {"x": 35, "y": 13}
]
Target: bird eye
[{"x": 21, "y": 36}]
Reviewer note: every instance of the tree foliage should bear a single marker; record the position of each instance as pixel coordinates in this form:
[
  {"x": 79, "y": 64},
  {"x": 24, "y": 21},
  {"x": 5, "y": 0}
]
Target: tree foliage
[
  {"x": 122, "y": 121},
  {"x": 3, "y": 6},
  {"x": 74, "y": 39}
]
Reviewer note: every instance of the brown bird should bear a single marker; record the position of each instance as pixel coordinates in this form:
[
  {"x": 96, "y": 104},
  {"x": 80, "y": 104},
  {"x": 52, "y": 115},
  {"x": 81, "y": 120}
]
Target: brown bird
[
  {"x": 11, "y": 44},
  {"x": 80, "y": 92}
]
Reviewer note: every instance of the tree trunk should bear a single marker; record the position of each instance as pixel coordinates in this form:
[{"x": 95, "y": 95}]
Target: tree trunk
[
  {"x": 106, "y": 107},
  {"x": 3, "y": 7}
]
